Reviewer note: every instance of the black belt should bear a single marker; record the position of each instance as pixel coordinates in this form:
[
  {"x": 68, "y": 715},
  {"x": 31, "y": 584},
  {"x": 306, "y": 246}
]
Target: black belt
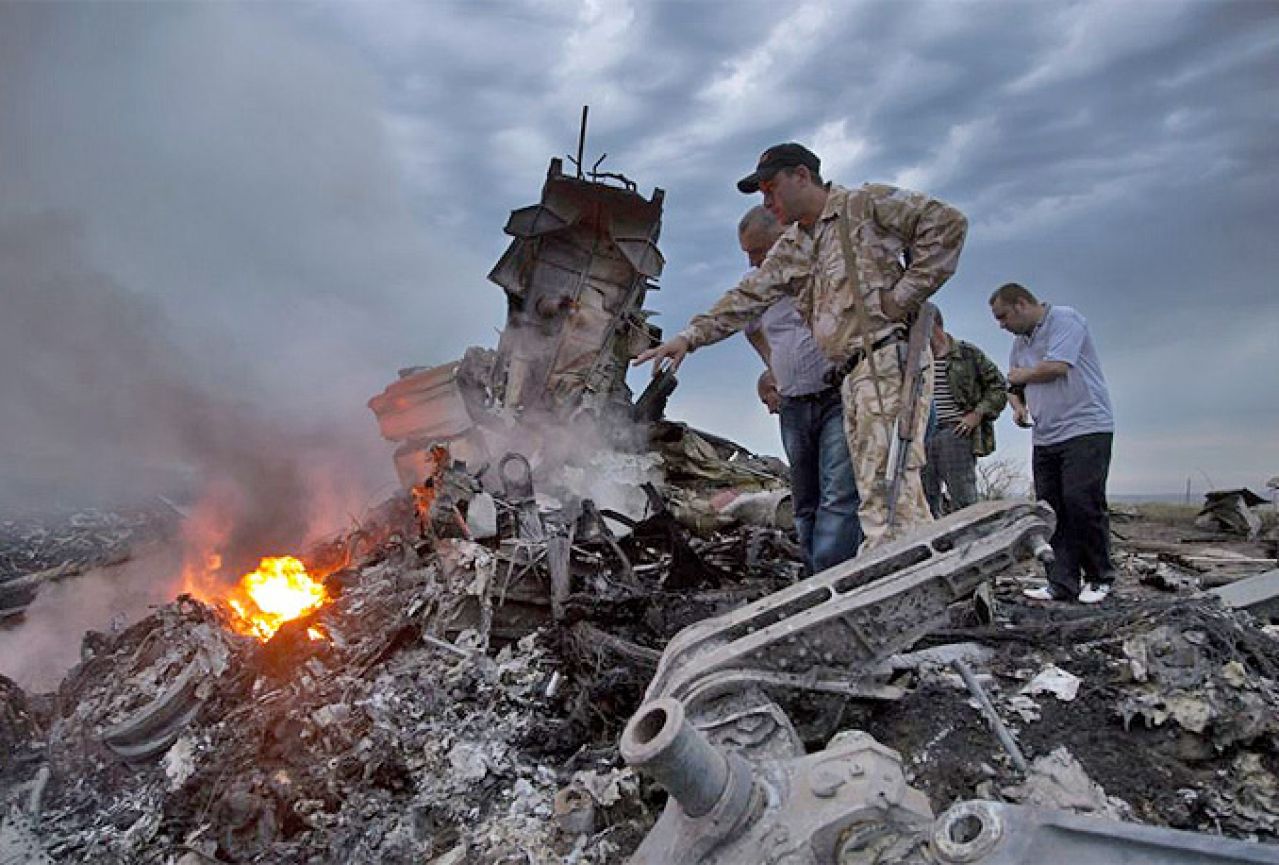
[
  {"x": 818, "y": 396},
  {"x": 837, "y": 374}
]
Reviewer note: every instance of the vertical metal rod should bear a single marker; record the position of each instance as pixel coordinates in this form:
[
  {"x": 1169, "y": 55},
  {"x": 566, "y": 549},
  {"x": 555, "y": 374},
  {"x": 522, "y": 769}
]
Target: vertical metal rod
[
  {"x": 996, "y": 723},
  {"x": 559, "y": 548},
  {"x": 581, "y": 141}
]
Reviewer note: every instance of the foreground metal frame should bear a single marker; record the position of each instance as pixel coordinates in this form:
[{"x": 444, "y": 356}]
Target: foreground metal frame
[{"x": 713, "y": 732}]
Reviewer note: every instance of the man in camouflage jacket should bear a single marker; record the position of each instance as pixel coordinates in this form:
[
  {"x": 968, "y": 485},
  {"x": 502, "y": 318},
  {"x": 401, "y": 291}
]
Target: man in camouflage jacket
[
  {"x": 969, "y": 392},
  {"x": 859, "y": 262}
]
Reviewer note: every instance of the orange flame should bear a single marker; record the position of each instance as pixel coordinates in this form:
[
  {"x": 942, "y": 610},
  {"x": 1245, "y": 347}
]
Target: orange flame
[{"x": 278, "y": 591}]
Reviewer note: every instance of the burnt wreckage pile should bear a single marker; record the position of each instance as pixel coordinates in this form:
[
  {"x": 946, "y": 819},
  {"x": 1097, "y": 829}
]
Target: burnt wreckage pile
[{"x": 464, "y": 696}]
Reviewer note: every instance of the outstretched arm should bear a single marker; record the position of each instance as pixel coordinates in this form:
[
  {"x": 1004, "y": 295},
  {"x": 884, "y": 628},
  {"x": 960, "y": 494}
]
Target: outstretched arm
[{"x": 739, "y": 306}]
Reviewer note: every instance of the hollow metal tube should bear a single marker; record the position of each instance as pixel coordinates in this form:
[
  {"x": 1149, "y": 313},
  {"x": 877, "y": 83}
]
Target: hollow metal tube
[{"x": 661, "y": 743}]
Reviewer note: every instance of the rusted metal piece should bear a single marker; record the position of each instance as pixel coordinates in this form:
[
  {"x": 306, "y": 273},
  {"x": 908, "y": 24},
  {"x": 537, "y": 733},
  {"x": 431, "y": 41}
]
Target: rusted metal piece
[
  {"x": 558, "y": 549},
  {"x": 579, "y": 266},
  {"x": 651, "y": 405},
  {"x": 575, "y": 275},
  {"x": 156, "y": 726}
]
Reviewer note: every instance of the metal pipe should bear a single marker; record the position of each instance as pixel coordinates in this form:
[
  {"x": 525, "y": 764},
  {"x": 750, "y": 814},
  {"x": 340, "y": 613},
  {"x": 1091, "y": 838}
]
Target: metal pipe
[
  {"x": 992, "y": 718},
  {"x": 1042, "y": 550},
  {"x": 661, "y": 743}
]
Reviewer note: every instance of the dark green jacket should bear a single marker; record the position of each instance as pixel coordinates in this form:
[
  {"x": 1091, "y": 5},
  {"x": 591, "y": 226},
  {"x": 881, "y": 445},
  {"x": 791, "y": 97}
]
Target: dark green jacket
[{"x": 977, "y": 384}]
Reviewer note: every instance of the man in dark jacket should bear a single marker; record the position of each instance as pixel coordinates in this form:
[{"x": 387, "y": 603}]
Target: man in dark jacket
[{"x": 969, "y": 392}]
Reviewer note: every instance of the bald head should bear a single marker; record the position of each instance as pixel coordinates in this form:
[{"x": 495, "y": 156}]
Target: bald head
[{"x": 757, "y": 232}]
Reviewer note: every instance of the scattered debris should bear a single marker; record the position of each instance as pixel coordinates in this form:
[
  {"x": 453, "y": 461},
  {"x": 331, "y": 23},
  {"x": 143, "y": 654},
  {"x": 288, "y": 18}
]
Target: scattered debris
[
  {"x": 1056, "y": 681},
  {"x": 1057, "y": 780},
  {"x": 560, "y": 561},
  {"x": 39, "y": 549},
  {"x": 1231, "y": 511}
]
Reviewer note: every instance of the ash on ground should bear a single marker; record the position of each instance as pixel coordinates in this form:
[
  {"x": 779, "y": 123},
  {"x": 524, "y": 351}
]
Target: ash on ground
[{"x": 439, "y": 710}]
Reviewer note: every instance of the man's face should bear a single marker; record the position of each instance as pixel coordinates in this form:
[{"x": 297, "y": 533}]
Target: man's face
[
  {"x": 1017, "y": 317},
  {"x": 782, "y": 194},
  {"x": 756, "y": 244}
]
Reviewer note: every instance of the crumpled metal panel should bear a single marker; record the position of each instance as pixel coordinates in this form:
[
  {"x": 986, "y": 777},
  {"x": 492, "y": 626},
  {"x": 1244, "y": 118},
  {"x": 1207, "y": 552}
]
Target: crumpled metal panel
[
  {"x": 575, "y": 276},
  {"x": 642, "y": 253},
  {"x": 157, "y": 725},
  {"x": 426, "y": 404}
]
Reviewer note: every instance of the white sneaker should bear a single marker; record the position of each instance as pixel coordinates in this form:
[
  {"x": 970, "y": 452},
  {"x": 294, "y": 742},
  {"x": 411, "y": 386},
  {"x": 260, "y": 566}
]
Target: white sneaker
[
  {"x": 1043, "y": 593},
  {"x": 1094, "y": 593}
]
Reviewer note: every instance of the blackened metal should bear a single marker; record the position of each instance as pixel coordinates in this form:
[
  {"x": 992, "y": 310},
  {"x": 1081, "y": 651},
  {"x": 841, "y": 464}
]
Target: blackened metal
[{"x": 651, "y": 405}]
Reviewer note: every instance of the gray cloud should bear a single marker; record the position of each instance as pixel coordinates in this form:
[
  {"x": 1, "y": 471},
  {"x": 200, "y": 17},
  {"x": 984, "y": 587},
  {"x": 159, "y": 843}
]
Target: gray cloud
[
  {"x": 208, "y": 251},
  {"x": 338, "y": 174}
]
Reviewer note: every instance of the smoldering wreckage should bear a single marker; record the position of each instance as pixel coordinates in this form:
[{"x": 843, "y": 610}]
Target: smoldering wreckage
[{"x": 456, "y": 686}]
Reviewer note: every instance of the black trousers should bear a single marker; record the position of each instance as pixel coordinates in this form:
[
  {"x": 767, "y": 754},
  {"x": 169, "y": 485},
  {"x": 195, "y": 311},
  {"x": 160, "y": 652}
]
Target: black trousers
[{"x": 1071, "y": 477}]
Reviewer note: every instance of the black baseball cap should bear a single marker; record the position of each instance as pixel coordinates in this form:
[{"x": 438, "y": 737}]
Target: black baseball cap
[{"x": 774, "y": 159}]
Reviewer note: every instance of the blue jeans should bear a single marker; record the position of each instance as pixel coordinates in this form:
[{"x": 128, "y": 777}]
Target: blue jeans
[{"x": 823, "y": 488}]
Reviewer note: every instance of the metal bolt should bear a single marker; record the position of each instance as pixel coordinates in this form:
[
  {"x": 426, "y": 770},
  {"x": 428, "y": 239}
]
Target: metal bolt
[{"x": 825, "y": 782}]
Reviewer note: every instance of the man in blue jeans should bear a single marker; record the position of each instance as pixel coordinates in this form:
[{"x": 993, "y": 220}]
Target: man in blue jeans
[{"x": 823, "y": 488}]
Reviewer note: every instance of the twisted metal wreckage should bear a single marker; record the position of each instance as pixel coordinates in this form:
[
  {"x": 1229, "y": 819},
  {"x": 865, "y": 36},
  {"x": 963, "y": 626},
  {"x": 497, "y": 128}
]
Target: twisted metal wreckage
[
  {"x": 743, "y": 789},
  {"x": 715, "y": 728},
  {"x": 712, "y": 729}
]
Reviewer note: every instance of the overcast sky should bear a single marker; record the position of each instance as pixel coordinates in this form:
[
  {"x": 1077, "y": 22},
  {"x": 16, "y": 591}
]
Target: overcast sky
[{"x": 283, "y": 204}]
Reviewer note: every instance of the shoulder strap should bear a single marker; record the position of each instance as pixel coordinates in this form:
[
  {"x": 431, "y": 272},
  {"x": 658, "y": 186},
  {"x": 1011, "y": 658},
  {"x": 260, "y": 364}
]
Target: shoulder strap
[{"x": 853, "y": 279}]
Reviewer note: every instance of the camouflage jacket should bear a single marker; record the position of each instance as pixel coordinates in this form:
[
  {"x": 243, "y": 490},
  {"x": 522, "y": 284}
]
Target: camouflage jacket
[
  {"x": 885, "y": 224},
  {"x": 976, "y": 384}
]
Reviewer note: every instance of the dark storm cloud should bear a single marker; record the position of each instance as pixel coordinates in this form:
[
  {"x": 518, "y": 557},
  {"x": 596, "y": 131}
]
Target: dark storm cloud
[
  {"x": 244, "y": 165},
  {"x": 221, "y": 186}
]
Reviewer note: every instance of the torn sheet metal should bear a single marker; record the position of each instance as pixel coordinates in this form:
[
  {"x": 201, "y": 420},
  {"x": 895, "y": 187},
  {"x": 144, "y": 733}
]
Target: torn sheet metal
[
  {"x": 575, "y": 275},
  {"x": 1259, "y": 594},
  {"x": 1231, "y": 511}
]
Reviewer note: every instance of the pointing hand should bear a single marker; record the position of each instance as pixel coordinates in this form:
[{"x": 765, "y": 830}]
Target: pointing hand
[{"x": 668, "y": 355}]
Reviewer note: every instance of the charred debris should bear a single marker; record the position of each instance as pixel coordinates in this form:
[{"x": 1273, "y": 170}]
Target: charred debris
[{"x": 563, "y": 559}]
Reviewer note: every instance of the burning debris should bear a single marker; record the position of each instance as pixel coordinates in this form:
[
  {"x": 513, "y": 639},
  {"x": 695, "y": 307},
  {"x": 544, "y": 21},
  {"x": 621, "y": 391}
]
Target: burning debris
[
  {"x": 279, "y": 591},
  {"x": 450, "y": 681},
  {"x": 447, "y": 714}
]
